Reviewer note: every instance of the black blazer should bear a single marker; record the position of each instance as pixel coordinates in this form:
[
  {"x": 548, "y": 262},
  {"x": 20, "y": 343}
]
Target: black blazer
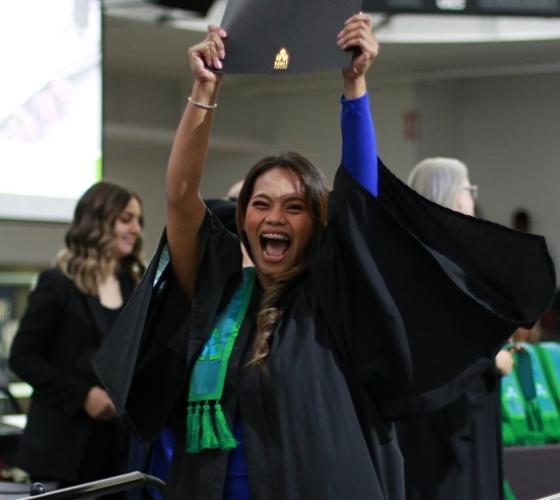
[{"x": 61, "y": 330}]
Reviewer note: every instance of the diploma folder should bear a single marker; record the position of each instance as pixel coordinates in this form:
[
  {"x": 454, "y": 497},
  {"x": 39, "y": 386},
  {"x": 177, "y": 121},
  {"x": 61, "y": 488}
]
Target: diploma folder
[{"x": 285, "y": 36}]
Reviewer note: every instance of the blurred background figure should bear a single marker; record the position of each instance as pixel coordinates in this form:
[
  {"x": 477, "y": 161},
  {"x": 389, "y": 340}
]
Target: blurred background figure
[
  {"x": 234, "y": 190},
  {"x": 521, "y": 221},
  {"x": 72, "y": 434},
  {"x": 463, "y": 439},
  {"x": 445, "y": 181}
]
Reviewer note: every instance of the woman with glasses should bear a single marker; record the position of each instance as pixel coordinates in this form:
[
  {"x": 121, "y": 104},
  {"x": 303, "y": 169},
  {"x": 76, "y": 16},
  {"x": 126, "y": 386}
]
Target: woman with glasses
[
  {"x": 463, "y": 438},
  {"x": 445, "y": 181}
]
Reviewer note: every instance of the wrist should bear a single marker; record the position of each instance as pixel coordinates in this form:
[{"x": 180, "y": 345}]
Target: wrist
[
  {"x": 354, "y": 87},
  {"x": 206, "y": 93}
]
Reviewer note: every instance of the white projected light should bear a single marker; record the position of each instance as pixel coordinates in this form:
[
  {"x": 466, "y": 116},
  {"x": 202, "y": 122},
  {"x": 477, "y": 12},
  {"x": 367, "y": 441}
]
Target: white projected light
[{"x": 50, "y": 106}]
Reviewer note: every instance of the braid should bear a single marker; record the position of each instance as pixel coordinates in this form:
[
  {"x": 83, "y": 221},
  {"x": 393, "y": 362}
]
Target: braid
[{"x": 270, "y": 314}]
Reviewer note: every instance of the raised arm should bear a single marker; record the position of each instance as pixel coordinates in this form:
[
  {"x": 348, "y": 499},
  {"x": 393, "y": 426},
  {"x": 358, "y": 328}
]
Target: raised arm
[
  {"x": 359, "y": 149},
  {"x": 185, "y": 208}
]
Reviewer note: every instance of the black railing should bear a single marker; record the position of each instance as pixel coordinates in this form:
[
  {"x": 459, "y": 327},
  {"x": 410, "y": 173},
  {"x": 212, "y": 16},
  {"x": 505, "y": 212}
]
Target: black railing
[{"x": 99, "y": 488}]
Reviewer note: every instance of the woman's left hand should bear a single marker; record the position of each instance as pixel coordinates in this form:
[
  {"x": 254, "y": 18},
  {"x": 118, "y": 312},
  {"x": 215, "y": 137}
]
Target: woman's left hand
[
  {"x": 504, "y": 362},
  {"x": 357, "y": 35}
]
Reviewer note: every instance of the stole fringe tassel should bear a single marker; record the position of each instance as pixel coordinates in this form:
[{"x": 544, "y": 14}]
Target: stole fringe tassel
[
  {"x": 208, "y": 430},
  {"x": 209, "y": 440},
  {"x": 226, "y": 438},
  {"x": 193, "y": 428}
]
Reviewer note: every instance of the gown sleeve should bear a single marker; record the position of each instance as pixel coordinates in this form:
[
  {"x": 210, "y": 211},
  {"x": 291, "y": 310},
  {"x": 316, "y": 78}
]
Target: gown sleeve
[
  {"x": 145, "y": 359},
  {"x": 419, "y": 298}
]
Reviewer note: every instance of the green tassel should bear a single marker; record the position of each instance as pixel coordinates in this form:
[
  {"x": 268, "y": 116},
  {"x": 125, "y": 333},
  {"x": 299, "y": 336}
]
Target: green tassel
[
  {"x": 209, "y": 440},
  {"x": 536, "y": 435},
  {"x": 193, "y": 428},
  {"x": 508, "y": 493},
  {"x": 508, "y": 435},
  {"x": 551, "y": 429},
  {"x": 226, "y": 438},
  {"x": 533, "y": 439},
  {"x": 533, "y": 415},
  {"x": 515, "y": 431}
]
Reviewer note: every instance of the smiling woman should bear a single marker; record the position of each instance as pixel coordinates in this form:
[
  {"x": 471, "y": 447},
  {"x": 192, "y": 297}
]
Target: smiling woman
[
  {"x": 72, "y": 434},
  {"x": 281, "y": 209},
  {"x": 128, "y": 227}
]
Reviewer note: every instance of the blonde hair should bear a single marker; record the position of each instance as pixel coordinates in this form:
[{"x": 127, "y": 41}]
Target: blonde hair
[
  {"x": 88, "y": 256},
  {"x": 439, "y": 179}
]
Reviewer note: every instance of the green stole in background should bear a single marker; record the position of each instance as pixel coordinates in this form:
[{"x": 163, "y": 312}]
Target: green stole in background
[
  {"x": 515, "y": 425},
  {"x": 541, "y": 410}
]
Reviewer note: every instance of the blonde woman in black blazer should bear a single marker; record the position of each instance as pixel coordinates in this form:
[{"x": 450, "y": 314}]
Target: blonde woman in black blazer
[{"x": 72, "y": 433}]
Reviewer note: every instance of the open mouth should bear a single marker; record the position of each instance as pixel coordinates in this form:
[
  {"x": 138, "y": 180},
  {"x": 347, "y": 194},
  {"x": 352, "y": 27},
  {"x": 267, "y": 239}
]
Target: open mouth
[{"x": 275, "y": 246}]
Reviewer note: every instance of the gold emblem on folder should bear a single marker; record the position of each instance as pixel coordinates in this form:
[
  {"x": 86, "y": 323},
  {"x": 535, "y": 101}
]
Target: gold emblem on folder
[{"x": 282, "y": 59}]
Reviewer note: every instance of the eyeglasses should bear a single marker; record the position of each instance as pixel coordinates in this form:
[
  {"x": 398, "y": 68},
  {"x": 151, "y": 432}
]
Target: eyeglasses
[{"x": 473, "y": 189}]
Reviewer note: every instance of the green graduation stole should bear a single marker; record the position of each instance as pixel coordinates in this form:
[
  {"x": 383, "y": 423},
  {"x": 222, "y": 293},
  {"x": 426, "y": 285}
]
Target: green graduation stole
[
  {"x": 515, "y": 426},
  {"x": 207, "y": 427},
  {"x": 508, "y": 492},
  {"x": 540, "y": 407},
  {"x": 549, "y": 355}
]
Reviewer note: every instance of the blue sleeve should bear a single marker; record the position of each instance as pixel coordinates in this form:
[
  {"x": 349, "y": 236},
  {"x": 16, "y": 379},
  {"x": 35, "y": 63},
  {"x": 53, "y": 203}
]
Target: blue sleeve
[{"x": 359, "y": 148}]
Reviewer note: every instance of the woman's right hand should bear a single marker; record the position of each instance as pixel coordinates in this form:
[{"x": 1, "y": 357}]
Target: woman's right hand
[
  {"x": 208, "y": 54},
  {"x": 98, "y": 405}
]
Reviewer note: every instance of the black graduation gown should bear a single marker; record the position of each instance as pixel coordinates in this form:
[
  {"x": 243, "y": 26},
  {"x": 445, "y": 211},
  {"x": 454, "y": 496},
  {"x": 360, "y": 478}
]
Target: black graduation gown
[
  {"x": 60, "y": 332},
  {"x": 464, "y": 443},
  {"x": 362, "y": 341}
]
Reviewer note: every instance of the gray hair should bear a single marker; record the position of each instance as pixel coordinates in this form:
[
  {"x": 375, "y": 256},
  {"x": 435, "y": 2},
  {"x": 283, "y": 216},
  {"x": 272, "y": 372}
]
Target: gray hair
[
  {"x": 234, "y": 190},
  {"x": 438, "y": 179}
]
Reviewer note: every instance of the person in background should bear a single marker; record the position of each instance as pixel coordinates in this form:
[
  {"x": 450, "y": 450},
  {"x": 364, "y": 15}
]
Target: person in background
[
  {"x": 463, "y": 439},
  {"x": 521, "y": 220},
  {"x": 73, "y": 434},
  {"x": 234, "y": 190}
]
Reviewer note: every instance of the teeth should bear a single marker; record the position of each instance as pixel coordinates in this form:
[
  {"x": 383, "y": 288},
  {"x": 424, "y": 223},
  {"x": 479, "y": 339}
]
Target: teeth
[{"x": 275, "y": 236}]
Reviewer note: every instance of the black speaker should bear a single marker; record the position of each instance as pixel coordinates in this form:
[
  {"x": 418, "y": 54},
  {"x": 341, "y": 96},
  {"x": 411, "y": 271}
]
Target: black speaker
[{"x": 200, "y": 6}]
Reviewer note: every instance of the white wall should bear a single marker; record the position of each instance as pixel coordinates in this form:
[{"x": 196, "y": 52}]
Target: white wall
[
  {"x": 29, "y": 245},
  {"x": 505, "y": 128},
  {"x": 440, "y": 119}
]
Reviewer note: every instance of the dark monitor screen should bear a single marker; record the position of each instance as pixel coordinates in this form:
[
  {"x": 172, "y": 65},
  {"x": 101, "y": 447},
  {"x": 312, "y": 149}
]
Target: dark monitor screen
[
  {"x": 200, "y": 6},
  {"x": 541, "y": 8}
]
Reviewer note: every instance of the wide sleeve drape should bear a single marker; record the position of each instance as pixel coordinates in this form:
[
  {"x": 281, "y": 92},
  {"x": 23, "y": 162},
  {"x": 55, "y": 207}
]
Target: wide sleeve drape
[
  {"x": 420, "y": 297},
  {"x": 145, "y": 360}
]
